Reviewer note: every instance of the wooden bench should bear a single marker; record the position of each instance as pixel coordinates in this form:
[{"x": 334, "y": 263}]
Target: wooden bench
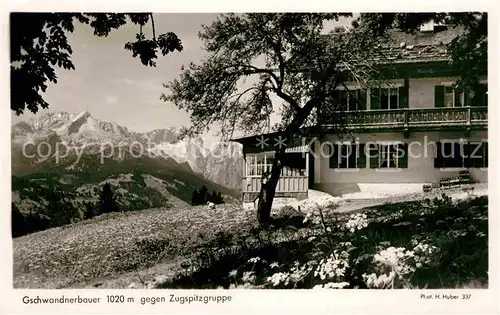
[{"x": 463, "y": 178}]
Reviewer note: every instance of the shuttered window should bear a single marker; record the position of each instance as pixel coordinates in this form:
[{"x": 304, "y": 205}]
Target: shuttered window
[
  {"x": 390, "y": 97},
  {"x": 386, "y": 156},
  {"x": 448, "y": 96},
  {"x": 351, "y": 100},
  {"x": 347, "y": 156},
  {"x": 461, "y": 155}
]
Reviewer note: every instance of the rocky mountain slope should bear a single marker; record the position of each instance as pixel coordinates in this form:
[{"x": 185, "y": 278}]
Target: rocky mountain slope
[
  {"x": 62, "y": 161},
  {"x": 60, "y": 136}
]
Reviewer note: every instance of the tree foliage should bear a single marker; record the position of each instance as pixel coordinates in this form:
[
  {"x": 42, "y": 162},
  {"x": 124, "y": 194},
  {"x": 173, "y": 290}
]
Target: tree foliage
[
  {"x": 39, "y": 44},
  {"x": 203, "y": 195},
  {"x": 90, "y": 210},
  {"x": 107, "y": 201},
  {"x": 60, "y": 210},
  {"x": 255, "y": 58}
]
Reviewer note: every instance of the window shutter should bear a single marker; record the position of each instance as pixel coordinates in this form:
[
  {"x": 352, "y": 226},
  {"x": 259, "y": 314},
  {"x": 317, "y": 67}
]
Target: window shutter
[
  {"x": 458, "y": 99},
  {"x": 403, "y": 155},
  {"x": 439, "y": 96},
  {"x": 485, "y": 154},
  {"x": 482, "y": 97},
  {"x": 403, "y": 95},
  {"x": 361, "y": 163},
  {"x": 485, "y": 94},
  {"x": 468, "y": 98},
  {"x": 438, "y": 158},
  {"x": 334, "y": 156},
  {"x": 375, "y": 98},
  {"x": 373, "y": 151},
  {"x": 336, "y": 100},
  {"x": 469, "y": 161},
  {"x": 362, "y": 99}
]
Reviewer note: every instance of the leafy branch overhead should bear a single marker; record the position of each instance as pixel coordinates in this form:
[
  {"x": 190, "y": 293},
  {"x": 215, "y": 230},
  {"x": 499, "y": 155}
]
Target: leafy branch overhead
[
  {"x": 255, "y": 58},
  {"x": 39, "y": 43}
]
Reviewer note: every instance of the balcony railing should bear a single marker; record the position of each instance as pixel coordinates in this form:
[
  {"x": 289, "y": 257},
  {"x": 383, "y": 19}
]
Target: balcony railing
[{"x": 410, "y": 118}]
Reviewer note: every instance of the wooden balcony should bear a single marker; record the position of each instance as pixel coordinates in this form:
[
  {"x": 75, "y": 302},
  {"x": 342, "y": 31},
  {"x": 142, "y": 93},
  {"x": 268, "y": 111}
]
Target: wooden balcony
[{"x": 411, "y": 119}]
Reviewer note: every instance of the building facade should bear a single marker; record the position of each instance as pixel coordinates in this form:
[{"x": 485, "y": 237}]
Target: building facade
[{"x": 414, "y": 130}]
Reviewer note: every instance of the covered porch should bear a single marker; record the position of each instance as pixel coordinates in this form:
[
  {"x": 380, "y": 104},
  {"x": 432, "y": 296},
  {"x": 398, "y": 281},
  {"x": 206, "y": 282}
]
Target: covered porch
[
  {"x": 258, "y": 157},
  {"x": 294, "y": 179}
]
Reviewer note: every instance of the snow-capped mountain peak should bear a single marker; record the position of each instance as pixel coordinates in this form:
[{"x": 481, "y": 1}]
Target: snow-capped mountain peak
[{"x": 206, "y": 157}]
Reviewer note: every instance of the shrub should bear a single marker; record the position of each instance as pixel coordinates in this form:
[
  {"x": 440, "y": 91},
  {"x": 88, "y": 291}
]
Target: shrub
[{"x": 202, "y": 196}]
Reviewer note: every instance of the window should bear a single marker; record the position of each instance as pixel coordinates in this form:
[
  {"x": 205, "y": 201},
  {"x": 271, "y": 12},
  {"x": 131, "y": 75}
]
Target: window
[
  {"x": 257, "y": 164},
  {"x": 477, "y": 96},
  {"x": 387, "y": 156},
  {"x": 347, "y": 156},
  {"x": 453, "y": 97},
  {"x": 351, "y": 100},
  {"x": 389, "y": 98},
  {"x": 453, "y": 155},
  {"x": 461, "y": 155},
  {"x": 448, "y": 96}
]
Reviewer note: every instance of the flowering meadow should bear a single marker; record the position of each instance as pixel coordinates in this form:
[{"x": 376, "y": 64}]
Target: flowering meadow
[
  {"x": 436, "y": 243},
  {"x": 423, "y": 244}
]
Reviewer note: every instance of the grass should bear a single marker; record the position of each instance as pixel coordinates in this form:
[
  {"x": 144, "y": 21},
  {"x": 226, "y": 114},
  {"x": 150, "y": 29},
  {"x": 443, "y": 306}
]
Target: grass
[
  {"x": 117, "y": 242},
  {"x": 226, "y": 247}
]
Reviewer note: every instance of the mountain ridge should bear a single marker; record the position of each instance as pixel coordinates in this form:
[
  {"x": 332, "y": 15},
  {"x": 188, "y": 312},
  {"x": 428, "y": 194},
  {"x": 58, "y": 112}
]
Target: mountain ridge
[{"x": 83, "y": 131}]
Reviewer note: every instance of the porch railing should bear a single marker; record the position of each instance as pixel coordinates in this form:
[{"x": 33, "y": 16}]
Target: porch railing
[{"x": 410, "y": 117}]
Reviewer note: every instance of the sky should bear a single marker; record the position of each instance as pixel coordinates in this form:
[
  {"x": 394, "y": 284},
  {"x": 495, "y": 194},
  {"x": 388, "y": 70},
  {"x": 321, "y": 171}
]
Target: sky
[{"x": 113, "y": 86}]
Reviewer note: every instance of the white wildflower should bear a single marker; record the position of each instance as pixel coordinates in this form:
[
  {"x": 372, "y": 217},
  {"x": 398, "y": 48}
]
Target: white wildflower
[
  {"x": 279, "y": 278},
  {"x": 248, "y": 277},
  {"x": 333, "y": 267},
  {"x": 254, "y": 260},
  {"x": 274, "y": 265},
  {"x": 356, "y": 222}
]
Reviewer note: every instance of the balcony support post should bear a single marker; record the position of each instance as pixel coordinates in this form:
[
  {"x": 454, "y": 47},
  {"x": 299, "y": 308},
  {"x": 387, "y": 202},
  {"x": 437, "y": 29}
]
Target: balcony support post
[
  {"x": 468, "y": 116},
  {"x": 405, "y": 124}
]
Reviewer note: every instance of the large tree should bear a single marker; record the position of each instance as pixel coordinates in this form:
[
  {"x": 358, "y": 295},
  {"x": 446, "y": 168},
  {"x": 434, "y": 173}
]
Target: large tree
[
  {"x": 253, "y": 58},
  {"x": 39, "y": 44}
]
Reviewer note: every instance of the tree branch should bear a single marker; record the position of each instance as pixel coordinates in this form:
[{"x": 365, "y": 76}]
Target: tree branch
[
  {"x": 281, "y": 65},
  {"x": 295, "y": 105},
  {"x": 256, "y": 70},
  {"x": 153, "y": 26},
  {"x": 279, "y": 92}
]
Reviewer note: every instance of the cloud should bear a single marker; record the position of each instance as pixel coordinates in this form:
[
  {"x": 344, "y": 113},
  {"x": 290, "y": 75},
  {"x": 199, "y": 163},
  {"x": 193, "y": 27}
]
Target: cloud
[
  {"x": 152, "y": 84},
  {"x": 129, "y": 81},
  {"x": 111, "y": 99}
]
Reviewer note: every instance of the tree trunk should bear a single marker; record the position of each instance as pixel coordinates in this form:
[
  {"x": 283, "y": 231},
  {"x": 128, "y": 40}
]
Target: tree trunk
[
  {"x": 268, "y": 189},
  {"x": 270, "y": 181}
]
